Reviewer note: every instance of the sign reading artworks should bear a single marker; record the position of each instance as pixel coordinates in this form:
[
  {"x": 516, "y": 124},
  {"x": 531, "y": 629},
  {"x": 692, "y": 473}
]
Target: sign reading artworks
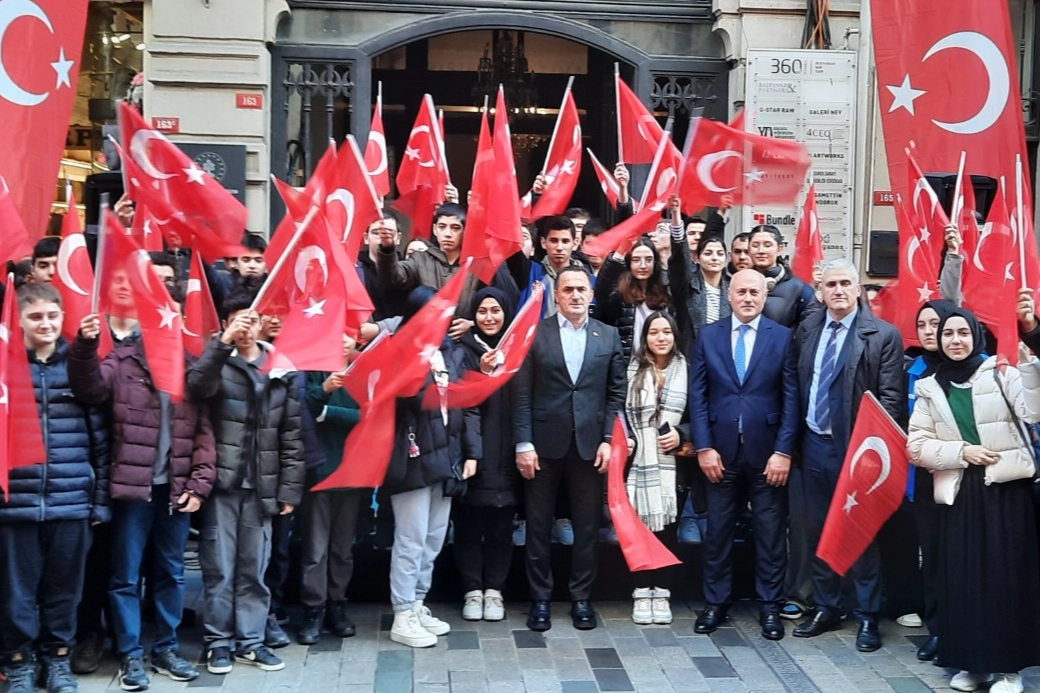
[{"x": 808, "y": 96}]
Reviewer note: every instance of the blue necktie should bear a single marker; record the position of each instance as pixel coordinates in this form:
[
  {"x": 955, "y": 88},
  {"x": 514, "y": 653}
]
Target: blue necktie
[
  {"x": 830, "y": 360},
  {"x": 740, "y": 353}
]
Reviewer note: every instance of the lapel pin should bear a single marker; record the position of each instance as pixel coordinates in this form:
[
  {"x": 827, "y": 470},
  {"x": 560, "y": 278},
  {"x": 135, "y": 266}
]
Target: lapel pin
[{"x": 595, "y": 334}]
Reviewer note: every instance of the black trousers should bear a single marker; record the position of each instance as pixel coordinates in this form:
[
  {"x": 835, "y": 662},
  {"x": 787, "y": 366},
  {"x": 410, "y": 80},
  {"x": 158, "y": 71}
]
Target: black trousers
[
  {"x": 329, "y": 521},
  {"x": 822, "y": 461},
  {"x": 928, "y": 517},
  {"x": 585, "y": 493},
  {"x": 278, "y": 569},
  {"x": 483, "y": 545},
  {"x": 94, "y": 603},
  {"x": 744, "y": 480},
  {"x": 41, "y": 582}
]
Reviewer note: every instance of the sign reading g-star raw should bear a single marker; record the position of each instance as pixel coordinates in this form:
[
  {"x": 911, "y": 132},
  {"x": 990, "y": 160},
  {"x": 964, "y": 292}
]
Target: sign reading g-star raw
[{"x": 808, "y": 96}]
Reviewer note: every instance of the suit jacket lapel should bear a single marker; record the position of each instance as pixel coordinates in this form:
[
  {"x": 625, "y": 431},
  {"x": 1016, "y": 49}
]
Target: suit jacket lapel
[
  {"x": 592, "y": 335},
  {"x": 726, "y": 351},
  {"x": 556, "y": 344},
  {"x": 761, "y": 339}
]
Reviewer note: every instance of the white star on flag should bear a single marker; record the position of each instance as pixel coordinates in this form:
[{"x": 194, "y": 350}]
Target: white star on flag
[
  {"x": 63, "y": 69},
  {"x": 925, "y": 234},
  {"x": 3, "y": 397},
  {"x": 904, "y": 96},
  {"x": 754, "y": 176},
  {"x": 315, "y": 308},
  {"x": 568, "y": 166},
  {"x": 850, "y": 502},
  {"x": 169, "y": 314},
  {"x": 411, "y": 152},
  {"x": 924, "y": 293},
  {"x": 195, "y": 175}
]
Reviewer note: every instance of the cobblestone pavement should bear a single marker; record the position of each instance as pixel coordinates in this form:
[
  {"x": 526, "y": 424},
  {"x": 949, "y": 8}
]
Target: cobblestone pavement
[{"x": 505, "y": 657}]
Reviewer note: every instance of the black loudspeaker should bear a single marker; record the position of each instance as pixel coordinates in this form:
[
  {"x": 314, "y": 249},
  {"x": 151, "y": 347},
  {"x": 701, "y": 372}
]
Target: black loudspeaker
[
  {"x": 945, "y": 183},
  {"x": 883, "y": 259},
  {"x": 110, "y": 182}
]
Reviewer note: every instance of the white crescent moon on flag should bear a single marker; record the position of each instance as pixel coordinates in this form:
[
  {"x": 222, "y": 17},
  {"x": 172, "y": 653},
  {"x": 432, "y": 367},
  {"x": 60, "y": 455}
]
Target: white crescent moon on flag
[
  {"x": 639, "y": 125},
  {"x": 144, "y": 269},
  {"x": 345, "y": 198},
  {"x": 987, "y": 230},
  {"x": 303, "y": 261},
  {"x": 380, "y": 141},
  {"x": 879, "y": 446},
  {"x": 814, "y": 225},
  {"x": 912, "y": 247},
  {"x": 10, "y": 11},
  {"x": 194, "y": 286},
  {"x": 139, "y": 150},
  {"x": 65, "y": 252},
  {"x": 576, "y": 136},
  {"x": 665, "y": 181},
  {"x": 999, "y": 80},
  {"x": 706, "y": 167},
  {"x": 419, "y": 130}
]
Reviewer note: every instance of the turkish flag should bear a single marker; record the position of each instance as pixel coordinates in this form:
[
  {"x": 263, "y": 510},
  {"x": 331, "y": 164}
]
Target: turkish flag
[
  {"x": 201, "y": 321},
  {"x": 808, "y": 243},
  {"x": 625, "y": 234},
  {"x": 639, "y": 133},
  {"x": 966, "y": 221},
  {"x": 752, "y": 169},
  {"x": 926, "y": 213},
  {"x": 642, "y": 549},
  {"x": 42, "y": 41},
  {"x": 661, "y": 182},
  {"x": 158, "y": 316},
  {"x": 563, "y": 163},
  {"x": 74, "y": 278},
  {"x": 146, "y": 229},
  {"x": 367, "y": 452},
  {"x": 14, "y": 236},
  {"x": 351, "y": 203},
  {"x": 1008, "y": 285},
  {"x": 948, "y": 80},
  {"x": 376, "y": 161},
  {"x": 476, "y": 386},
  {"x": 607, "y": 183},
  {"x": 216, "y": 218},
  {"x": 153, "y": 205},
  {"x": 493, "y": 227},
  {"x": 870, "y": 488},
  {"x": 985, "y": 268},
  {"x": 21, "y": 436},
  {"x": 423, "y": 163},
  {"x": 917, "y": 281}
]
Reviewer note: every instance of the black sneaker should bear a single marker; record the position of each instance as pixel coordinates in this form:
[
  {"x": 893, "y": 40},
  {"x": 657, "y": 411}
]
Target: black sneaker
[
  {"x": 274, "y": 636},
  {"x": 262, "y": 658},
  {"x": 218, "y": 660},
  {"x": 171, "y": 664},
  {"x": 58, "y": 672},
  {"x": 310, "y": 631},
  {"x": 20, "y": 672},
  {"x": 86, "y": 655},
  {"x": 338, "y": 621},
  {"x": 132, "y": 675}
]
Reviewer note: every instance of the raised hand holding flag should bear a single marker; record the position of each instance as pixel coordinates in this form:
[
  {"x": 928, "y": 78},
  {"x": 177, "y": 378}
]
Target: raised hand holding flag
[{"x": 562, "y": 162}]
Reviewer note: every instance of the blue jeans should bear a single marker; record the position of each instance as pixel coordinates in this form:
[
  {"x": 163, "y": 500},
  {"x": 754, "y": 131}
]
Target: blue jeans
[{"x": 134, "y": 525}]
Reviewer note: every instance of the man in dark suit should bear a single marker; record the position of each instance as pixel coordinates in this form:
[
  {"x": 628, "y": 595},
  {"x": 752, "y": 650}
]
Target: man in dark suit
[
  {"x": 744, "y": 418},
  {"x": 844, "y": 352},
  {"x": 569, "y": 392}
]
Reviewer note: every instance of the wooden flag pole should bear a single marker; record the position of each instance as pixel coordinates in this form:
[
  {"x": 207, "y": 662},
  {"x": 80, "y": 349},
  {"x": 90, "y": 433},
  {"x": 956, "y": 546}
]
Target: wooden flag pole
[
  {"x": 300, "y": 230},
  {"x": 1020, "y": 213},
  {"x": 556, "y": 127},
  {"x": 617, "y": 106}
]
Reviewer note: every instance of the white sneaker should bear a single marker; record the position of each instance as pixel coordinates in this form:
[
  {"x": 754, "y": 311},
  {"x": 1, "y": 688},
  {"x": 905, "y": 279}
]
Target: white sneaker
[
  {"x": 965, "y": 681},
  {"x": 473, "y": 606},
  {"x": 910, "y": 621},
  {"x": 661, "y": 608},
  {"x": 431, "y": 622},
  {"x": 408, "y": 631},
  {"x": 642, "y": 608},
  {"x": 494, "y": 609},
  {"x": 1007, "y": 683}
]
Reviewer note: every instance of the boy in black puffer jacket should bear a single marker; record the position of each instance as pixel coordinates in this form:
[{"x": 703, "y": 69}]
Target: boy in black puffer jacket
[{"x": 46, "y": 518}]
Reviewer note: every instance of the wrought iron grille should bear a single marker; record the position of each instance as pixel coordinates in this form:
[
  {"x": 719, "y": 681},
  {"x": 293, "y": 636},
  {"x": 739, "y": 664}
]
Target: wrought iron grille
[
  {"x": 680, "y": 94},
  {"x": 313, "y": 90}
]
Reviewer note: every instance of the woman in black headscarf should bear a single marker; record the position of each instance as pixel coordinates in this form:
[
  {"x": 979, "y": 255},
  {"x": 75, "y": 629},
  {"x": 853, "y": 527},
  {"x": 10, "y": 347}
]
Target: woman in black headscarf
[
  {"x": 922, "y": 362},
  {"x": 483, "y": 518},
  {"x": 967, "y": 430}
]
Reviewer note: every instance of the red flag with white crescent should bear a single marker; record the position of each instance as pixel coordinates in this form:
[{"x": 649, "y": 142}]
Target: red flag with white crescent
[
  {"x": 14, "y": 241},
  {"x": 918, "y": 277},
  {"x": 641, "y": 547},
  {"x": 200, "y": 313},
  {"x": 41, "y": 43},
  {"x": 985, "y": 268},
  {"x": 870, "y": 488},
  {"x": 146, "y": 229},
  {"x": 351, "y": 203},
  {"x": 919, "y": 45},
  {"x": 563, "y": 163},
  {"x": 610, "y": 187},
  {"x": 639, "y": 132},
  {"x": 808, "y": 242},
  {"x": 376, "y": 161}
]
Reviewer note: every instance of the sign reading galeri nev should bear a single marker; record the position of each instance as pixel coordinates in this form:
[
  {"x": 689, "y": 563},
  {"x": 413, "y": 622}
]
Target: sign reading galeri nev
[{"x": 810, "y": 97}]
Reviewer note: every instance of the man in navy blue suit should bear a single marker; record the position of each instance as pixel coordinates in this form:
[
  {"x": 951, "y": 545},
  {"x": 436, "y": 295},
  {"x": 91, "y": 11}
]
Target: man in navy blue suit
[{"x": 744, "y": 411}]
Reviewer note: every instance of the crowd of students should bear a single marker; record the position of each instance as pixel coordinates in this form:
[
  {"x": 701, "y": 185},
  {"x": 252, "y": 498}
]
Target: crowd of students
[{"x": 739, "y": 384}]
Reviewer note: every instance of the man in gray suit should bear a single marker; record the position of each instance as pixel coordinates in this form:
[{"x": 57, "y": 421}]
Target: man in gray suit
[{"x": 569, "y": 392}]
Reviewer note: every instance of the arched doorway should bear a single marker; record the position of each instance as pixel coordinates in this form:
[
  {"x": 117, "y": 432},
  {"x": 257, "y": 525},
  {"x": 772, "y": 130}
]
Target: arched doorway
[{"x": 327, "y": 91}]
